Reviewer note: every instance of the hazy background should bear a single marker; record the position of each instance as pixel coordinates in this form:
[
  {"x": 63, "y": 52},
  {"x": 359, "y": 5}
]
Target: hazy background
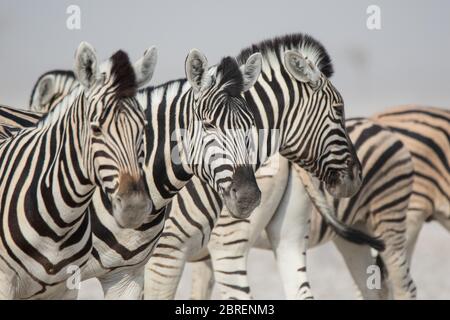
[{"x": 407, "y": 61}]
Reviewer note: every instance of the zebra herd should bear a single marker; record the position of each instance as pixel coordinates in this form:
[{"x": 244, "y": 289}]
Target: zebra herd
[{"x": 129, "y": 181}]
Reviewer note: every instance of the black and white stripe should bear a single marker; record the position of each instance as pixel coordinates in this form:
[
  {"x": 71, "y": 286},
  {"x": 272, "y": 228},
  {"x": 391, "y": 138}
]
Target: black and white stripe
[
  {"x": 51, "y": 88},
  {"x": 379, "y": 207},
  {"x": 308, "y": 114},
  {"x": 190, "y": 130},
  {"x": 298, "y": 110},
  {"x": 49, "y": 174},
  {"x": 425, "y": 131}
]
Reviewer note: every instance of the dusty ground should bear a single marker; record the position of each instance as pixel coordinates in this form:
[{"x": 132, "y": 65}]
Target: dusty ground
[{"x": 328, "y": 275}]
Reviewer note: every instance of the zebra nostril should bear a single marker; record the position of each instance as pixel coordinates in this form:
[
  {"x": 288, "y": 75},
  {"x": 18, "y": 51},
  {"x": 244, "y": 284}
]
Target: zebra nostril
[
  {"x": 350, "y": 162},
  {"x": 233, "y": 193},
  {"x": 333, "y": 178},
  {"x": 116, "y": 202}
]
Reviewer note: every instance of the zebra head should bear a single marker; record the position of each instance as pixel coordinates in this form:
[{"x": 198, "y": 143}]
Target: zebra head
[
  {"x": 113, "y": 139},
  {"x": 51, "y": 88},
  {"x": 221, "y": 133},
  {"x": 319, "y": 142}
]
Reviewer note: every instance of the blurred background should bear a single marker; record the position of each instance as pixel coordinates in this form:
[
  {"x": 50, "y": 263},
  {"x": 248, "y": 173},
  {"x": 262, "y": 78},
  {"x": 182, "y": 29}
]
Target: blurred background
[{"x": 405, "y": 60}]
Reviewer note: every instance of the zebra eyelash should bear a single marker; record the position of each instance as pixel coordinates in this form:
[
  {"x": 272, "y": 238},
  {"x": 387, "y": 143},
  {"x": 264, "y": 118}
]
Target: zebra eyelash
[
  {"x": 95, "y": 126},
  {"x": 208, "y": 125},
  {"x": 339, "y": 110}
]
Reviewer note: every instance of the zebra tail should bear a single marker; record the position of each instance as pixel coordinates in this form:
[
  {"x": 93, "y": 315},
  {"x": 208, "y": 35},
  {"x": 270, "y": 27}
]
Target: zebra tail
[
  {"x": 349, "y": 233},
  {"x": 344, "y": 231}
]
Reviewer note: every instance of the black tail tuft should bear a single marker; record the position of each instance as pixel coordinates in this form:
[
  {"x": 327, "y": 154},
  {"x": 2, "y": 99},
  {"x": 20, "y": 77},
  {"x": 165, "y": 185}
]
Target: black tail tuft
[
  {"x": 349, "y": 233},
  {"x": 359, "y": 237},
  {"x": 327, "y": 213}
]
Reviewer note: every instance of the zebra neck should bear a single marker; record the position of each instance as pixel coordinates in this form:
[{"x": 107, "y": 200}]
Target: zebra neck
[
  {"x": 169, "y": 111},
  {"x": 65, "y": 185},
  {"x": 276, "y": 103}
]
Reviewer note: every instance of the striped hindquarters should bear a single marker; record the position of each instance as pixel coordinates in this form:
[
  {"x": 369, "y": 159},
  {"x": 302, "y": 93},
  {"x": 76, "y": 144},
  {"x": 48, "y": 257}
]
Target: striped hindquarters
[
  {"x": 382, "y": 201},
  {"x": 425, "y": 131}
]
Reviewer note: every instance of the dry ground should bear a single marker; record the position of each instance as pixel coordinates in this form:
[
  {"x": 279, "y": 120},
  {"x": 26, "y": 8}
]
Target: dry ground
[{"x": 328, "y": 275}]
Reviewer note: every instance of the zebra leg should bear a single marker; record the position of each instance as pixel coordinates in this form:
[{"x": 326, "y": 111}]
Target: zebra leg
[
  {"x": 399, "y": 276},
  {"x": 229, "y": 257},
  {"x": 202, "y": 279},
  {"x": 126, "y": 284},
  {"x": 288, "y": 233},
  {"x": 8, "y": 281},
  {"x": 163, "y": 273},
  {"x": 7, "y": 287},
  {"x": 414, "y": 222},
  {"x": 395, "y": 259},
  {"x": 358, "y": 259},
  {"x": 230, "y": 273},
  {"x": 232, "y": 239},
  {"x": 71, "y": 294}
]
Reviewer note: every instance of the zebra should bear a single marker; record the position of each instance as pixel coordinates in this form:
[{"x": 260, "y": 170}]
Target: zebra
[
  {"x": 50, "y": 88},
  {"x": 18, "y": 118},
  {"x": 306, "y": 93},
  {"x": 49, "y": 172},
  {"x": 380, "y": 206},
  {"x": 429, "y": 200},
  {"x": 295, "y": 96},
  {"x": 208, "y": 103},
  {"x": 425, "y": 131}
]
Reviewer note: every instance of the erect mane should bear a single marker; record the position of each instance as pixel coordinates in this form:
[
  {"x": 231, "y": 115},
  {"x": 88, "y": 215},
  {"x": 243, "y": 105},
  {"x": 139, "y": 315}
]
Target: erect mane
[
  {"x": 307, "y": 45},
  {"x": 123, "y": 73},
  {"x": 231, "y": 76}
]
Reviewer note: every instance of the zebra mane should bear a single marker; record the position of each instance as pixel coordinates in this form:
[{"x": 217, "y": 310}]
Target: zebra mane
[
  {"x": 307, "y": 45},
  {"x": 57, "y": 72},
  {"x": 227, "y": 70},
  {"x": 163, "y": 85},
  {"x": 161, "y": 90},
  {"x": 124, "y": 77},
  {"x": 230, "y": 76}
]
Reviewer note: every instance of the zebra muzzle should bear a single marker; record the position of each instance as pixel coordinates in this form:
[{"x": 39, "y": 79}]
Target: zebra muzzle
[
  {"x": 131, "y": 204},
  {"x": 243, "y": 194},
  {"x": 345, "y": 182}
]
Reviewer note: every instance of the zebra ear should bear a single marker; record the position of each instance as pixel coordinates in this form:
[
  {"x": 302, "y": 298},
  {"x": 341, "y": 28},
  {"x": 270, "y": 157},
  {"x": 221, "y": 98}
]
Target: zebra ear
[
  {"x": 251, "y": 70},
  {"x": 196, "y": 68},
  {"x": 301, "y": 68},
  {"x": 86, "y": 65},
  {"x": 145, "y": 67},
  {"x": 45, "y": 89}
]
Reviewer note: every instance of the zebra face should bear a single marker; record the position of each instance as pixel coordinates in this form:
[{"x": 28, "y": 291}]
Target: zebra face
[
  {"x": 320, "y": 143},
  {"x": 114, "y": 139},
  {"x": 117, "y": 143},
  {"x": 222, "y": 144}
]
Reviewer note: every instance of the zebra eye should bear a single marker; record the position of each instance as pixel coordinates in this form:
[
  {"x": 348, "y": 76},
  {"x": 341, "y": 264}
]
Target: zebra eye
[
  {"x": 339, "y": 110},
  {"x": 96, "y": 129},
  {"x": 208, "y": 126}
]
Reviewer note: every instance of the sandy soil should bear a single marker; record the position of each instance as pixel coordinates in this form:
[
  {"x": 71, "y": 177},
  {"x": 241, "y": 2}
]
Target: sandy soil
[{"x": 328, "y": 275}]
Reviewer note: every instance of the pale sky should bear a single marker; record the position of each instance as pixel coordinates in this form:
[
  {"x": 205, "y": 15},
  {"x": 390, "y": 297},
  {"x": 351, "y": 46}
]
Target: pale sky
[{"x": 407, "y": 61}]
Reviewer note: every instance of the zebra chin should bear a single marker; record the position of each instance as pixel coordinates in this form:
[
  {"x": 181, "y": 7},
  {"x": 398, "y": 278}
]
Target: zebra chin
[{"x": 243, "y": 195}]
